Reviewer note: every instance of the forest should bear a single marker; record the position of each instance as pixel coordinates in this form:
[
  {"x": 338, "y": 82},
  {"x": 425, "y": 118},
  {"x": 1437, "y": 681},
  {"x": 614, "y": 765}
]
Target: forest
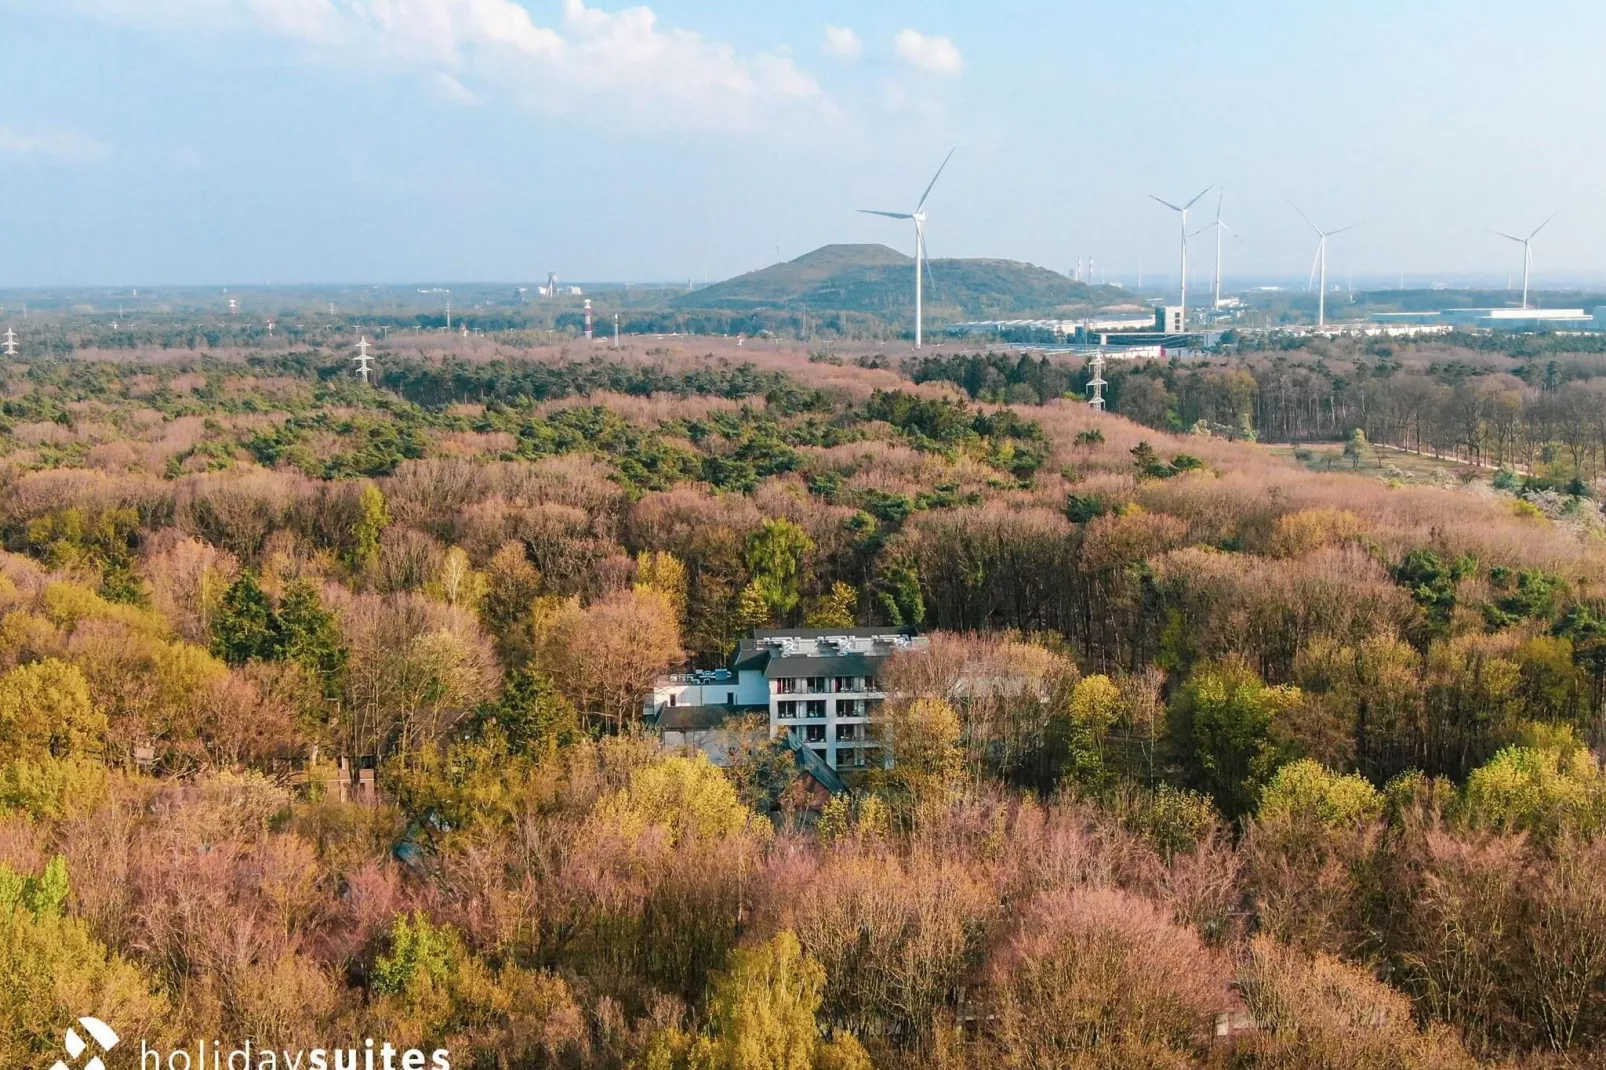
[
  {"x": 1212, "y": 761},
  {"x": 1531, "y": 405}
]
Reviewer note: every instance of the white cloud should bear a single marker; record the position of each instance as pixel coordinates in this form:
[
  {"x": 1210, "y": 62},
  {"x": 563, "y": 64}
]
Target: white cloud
[
  {"x": 937, "y": 55},
  {"x": 52, "y": 145},
  {"x": 456, "y": 91},
  {"x": 842, "y": 43},
  {"x": 479, "y": 49}
]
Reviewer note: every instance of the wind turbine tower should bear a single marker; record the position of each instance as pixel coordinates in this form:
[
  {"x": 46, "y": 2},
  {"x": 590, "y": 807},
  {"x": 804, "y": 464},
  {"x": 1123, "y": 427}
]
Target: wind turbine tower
[
  {"x": 1321, "y": 257},
  {"x": 919, "y": 217},
  {"x": 1183, "y": 212},
  {"x": 1527, "y": 254},
  {"x": 363, "y": 361},
  {"x": 552, "y": 284},
  {"x": 588, "y": 319},
  {"x": 11, "y": 342},
  {"x": 1220, "y": 226}
]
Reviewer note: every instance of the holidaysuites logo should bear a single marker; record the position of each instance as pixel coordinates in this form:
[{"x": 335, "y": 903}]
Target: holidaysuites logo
[
  {"x": 244, "y": 1055},
  {"x": 101, "y": 1033},
  {"x": 215, "y": 1055}
]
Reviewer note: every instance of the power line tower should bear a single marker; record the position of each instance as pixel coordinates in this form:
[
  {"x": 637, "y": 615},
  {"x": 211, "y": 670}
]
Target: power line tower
[
  {"x": 1097, "y": 383},
  {"x": 363, "y": 361}
]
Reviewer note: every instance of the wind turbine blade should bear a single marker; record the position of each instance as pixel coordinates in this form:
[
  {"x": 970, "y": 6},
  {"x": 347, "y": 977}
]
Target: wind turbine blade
[
  {"x": 1168, "y": 204},
  {"x": 889, "y": 215},
  {"x": 1341, "y": 230},
  {"x": 1509, "y": 237},
  {"x": 1542, "y": 226},
  {"x": 1200, "y": 231},
  {"x": 1229, "y": 230},
  {"x": 1202, "y": 192},
  {"x": 1303, "y": 216},
  {"x": 1317, "y": 259},
  {"x": 936, "y": 176},
  {"x": 1221, "y": 195}
]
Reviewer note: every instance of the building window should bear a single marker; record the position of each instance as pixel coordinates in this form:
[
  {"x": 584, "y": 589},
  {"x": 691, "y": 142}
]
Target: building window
[
  {"x": 872, "y": 684},
  {"x": 847, "y": 733},
  {"x": 785, "y": 687},
  {"x": 849, "y": 707},
  {"x": 730, "y": 698},
  {"x": 816, "y": 733},
  {"x": 786, "y": 710},
  {"x": 816, "y": 685},
  {"x": 819, "y": 752},
  {"x": 816, "y": 708},
  {"x": 845, "y": 683},
  {"x": 672, "y": 698}
]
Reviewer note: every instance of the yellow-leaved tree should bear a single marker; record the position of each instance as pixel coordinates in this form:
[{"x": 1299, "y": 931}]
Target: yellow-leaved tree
[
  {"x": 761, "y": 1016},
  {"x": 45, "y": 712}
]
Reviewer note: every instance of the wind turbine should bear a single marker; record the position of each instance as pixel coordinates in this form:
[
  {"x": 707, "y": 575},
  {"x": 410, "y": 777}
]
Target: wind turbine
[
  {"x": 1218, "y": 226},
  {"x": 1183, "y": 212},
  {"x": 1527, "y": 253},
  {"x": 1321, "y": 257},
  {"x": 919, "y": 217},
  {"x": 11, "y": 343}
]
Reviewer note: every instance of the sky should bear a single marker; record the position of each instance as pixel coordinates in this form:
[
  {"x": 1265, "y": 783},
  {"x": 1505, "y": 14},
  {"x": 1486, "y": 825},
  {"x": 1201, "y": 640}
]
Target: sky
[{"x": 309, "y": 141}]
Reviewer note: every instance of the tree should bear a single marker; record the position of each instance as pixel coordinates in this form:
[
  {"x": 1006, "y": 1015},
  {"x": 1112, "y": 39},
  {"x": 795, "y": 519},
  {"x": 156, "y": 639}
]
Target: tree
[
  {"x": 372, "y": 520},
  {"x": 776, "y": 557},
  {"x": 533, "y": 714},
  {"x": 1305, "y": 794},
  {"x": 922, "y": 738},
  {"x": 311, "y": 636},
  {"x": 605, "y": 656},
  {"x": 836, "y": 609},
  {"x": 1223, "y": 721},
  {"x": 456, "y": 582},
  {"x": 246, "y": 626},
  {"x": 512, "y": 584},
  {"x": 1094, "y": 706},
  {"x": 1355, "y": 447},
  {"x": 46, "y": 712},
  {"x": 1542, "y": 790},
  {"x": 52, "y": 971},
  {"x": 753, "y": 608},
  {"x": 685, "y": 798},
  {"x": 661, "y": 571},
  {"x": 761, "y": 1016}
]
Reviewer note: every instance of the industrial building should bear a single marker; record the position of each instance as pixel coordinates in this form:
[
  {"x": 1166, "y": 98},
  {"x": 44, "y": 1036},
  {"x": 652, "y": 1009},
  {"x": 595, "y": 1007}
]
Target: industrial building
[{"x": 1502, "y": 319}]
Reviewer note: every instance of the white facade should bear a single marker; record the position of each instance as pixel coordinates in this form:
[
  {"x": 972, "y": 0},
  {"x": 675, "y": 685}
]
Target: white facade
[
  {"x": 831, "y": 715},
  {"x": 720, "y": 687},
  {"x": 818, "y": 686}
]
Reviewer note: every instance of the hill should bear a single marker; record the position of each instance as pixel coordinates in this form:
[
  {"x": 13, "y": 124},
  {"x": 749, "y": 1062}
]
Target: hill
[{"x": 877, "y": 280}]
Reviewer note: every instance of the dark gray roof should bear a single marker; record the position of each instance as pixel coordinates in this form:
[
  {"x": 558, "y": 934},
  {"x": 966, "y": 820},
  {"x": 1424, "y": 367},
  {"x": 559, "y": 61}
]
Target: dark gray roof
[
  {"x": 815, "y": 633},
  {"x": 751, "y": 655},
  {"x": 835, "y": 665},
  {"x": 701, "y": 718}
]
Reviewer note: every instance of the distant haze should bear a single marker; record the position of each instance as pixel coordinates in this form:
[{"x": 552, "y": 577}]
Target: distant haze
[{"x": 234, "y": 142}]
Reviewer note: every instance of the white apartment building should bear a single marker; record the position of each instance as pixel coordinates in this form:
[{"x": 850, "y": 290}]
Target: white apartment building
[{"x": 821, "y": 686}]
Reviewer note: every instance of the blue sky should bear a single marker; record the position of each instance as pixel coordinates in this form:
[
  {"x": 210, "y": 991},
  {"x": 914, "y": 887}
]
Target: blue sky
[{"x": 250, "y": 141}]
